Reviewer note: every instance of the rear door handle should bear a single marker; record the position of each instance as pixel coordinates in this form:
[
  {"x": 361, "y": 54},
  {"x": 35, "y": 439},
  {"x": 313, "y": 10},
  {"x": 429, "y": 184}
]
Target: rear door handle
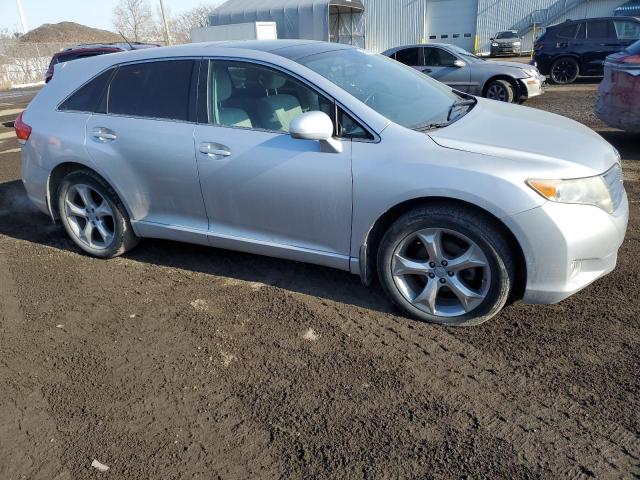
[
  {"x": 104, "y": 134},
  {"x": 214, "y": 150}
]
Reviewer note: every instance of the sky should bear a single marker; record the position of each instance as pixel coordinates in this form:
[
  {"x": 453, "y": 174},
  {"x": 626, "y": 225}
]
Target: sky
[{"x": 94, "y": 13}]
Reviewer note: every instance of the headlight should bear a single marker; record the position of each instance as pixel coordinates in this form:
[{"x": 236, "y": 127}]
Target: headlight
[
  {"x": 494, "y": 44},
  {"x": 517, "y": 44},
  {"x": 586, "y": 191}
]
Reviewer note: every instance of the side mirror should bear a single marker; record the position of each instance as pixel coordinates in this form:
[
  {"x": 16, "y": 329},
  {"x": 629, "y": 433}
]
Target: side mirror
[
  {"x": 491, "y": 39},
  {"x": 459, "y": 64},
  {"x": 315, "y": 126}
]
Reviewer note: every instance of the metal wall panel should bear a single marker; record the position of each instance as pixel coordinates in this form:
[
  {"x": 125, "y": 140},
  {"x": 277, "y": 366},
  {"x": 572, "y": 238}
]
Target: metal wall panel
[{"x": 389, "y": 23}]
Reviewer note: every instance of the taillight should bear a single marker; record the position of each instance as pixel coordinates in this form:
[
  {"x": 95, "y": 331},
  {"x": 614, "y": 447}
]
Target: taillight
[{"x": 23, "y": 131}]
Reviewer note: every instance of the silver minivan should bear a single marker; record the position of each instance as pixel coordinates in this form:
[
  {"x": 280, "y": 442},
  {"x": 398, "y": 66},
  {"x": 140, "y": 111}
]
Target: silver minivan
[{"x": 327, "y": 154}]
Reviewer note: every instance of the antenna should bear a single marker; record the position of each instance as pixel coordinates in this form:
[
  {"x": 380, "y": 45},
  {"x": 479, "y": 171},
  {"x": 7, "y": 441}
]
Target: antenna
[
  {"x": 22, "y": 19},
  {"x": 125, "y": 39}
]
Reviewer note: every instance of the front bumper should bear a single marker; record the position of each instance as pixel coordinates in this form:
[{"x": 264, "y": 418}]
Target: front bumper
[
  {"x": 534, "y": 86},
  {"x": 567, "y": 247},
  {"x": 506, "y": 50}
]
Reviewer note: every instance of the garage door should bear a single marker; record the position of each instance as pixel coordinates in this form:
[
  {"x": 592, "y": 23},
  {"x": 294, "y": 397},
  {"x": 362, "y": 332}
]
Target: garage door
[{"x": 452, "y": 21}]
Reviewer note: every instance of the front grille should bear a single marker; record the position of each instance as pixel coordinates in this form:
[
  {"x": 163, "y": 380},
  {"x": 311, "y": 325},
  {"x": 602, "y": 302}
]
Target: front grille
[{"x": 615, "y": 183}]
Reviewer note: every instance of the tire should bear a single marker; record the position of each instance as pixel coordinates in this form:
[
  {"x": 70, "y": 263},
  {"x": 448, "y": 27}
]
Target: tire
[
  {"x": 486, "y": 286},
  {"x": 93, "y": 215},
  {"x": 500, "y": 90},
  {"x": 564, "y": 71}
]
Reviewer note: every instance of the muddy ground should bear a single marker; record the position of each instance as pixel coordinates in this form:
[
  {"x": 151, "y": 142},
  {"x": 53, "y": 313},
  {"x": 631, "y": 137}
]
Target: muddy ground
[{"x": 179, "y": 361}]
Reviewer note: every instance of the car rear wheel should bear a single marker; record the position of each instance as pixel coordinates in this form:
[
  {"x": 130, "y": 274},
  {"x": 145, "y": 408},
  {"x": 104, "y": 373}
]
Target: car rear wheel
[
  {"x": 500, "y": 90},
  {"x": 93, "y": 215},
  {"x": 564, "y": 71},
  {"x": 445, "y": 265}
]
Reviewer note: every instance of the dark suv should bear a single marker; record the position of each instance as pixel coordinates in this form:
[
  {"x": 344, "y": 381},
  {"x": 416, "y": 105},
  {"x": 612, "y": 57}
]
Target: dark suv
[
  {"x": 90, "y": 50},
  {"x": 579, "y": 47}
]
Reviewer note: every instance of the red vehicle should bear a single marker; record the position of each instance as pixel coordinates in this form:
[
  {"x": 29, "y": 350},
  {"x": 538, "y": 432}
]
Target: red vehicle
[
  {"x": 619, "y": 101},
  {"x": 91, "y": 50}
]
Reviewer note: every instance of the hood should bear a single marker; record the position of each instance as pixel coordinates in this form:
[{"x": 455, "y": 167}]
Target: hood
[
  {"x": 493, "y": 64},
  {"x": 547, "y": 141}
]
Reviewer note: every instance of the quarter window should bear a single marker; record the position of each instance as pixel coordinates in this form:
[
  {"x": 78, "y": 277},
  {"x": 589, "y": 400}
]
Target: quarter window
[
  {"x": 569, "y": 31},
  {"x": 87, "y": 98},
  {"x": 153, "y": 89},
  {"x": 246, "y": 95}
]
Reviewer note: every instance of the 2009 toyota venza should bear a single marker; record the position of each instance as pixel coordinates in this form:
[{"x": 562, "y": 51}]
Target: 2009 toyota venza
[{"x": 327, "y": 154}]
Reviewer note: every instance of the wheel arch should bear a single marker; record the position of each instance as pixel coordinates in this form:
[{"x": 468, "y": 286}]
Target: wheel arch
[
  {"x": 369, "y": 250},
  {"x": 574, "y": 56},
  {"x": 55, "y": 179}
]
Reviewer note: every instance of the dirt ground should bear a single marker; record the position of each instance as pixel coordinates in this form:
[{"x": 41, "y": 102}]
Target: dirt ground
[{"x": 179, "y": 361}]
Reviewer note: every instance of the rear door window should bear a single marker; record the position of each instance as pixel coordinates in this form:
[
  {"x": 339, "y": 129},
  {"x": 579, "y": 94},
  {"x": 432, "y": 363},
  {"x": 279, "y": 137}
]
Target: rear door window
[
  {"x": 159, "y": 90},
  {"x": 410, "y": 56},
  {"x": 626, "y": 30},
  {"x": 88, "y": 97},
  {"x": 600, "y": 30}
]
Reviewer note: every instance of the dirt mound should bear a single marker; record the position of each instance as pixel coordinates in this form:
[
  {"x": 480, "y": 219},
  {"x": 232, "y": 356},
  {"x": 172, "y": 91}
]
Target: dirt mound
[{"x": 68, "y": 32}]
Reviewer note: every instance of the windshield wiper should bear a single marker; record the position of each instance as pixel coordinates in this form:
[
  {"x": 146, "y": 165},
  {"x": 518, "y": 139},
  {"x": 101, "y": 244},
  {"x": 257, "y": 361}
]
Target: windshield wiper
[
  {"x": 430, "y": 126},
  {"x": 462, "y": 103}
]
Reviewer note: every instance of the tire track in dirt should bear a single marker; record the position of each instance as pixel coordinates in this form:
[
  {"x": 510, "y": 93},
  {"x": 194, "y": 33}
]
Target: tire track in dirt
[
  {"x": 31, "y": 437},
  {"x": 543, "y": 431}
]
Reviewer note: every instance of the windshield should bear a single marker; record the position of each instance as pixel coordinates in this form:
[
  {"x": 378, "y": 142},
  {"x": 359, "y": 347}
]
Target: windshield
[
  {"x": 400, "y": 93},
  {"x": 467, "y": 56},
  {"x": 507, "y": 35}
]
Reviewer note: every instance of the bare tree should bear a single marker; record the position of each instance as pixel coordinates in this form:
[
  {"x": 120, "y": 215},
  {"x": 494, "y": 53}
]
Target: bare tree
[
  {"x": 134, "y": 19},
  {"x": 182, "y": 25}
]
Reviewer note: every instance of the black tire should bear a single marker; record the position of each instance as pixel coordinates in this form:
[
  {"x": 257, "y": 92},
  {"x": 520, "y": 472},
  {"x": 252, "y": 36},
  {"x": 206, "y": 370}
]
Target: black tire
[
  {"x": 123, "y": 237},
  {"x": 564, "y": 71},
  {"x": 501, "y": 90},
  {"x": 482, "y": 230}
]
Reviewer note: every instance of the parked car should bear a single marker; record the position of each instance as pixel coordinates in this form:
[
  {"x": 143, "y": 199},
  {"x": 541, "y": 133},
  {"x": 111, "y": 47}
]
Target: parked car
[
  {"x": 579, "y": 47},
  {"x": 324, "y": 153},
  {"x": 466, "y": 72},
  {"x": 619, "y": 100},
  {"x": 90, "y": 50},
  {"x": 506, "y": 43}
]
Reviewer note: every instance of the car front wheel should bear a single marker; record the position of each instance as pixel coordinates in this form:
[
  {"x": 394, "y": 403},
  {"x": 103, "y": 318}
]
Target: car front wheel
[
  {"x": 445, "y": 265},
  {"x": 93, "y": 215},
  {"x": 500, "y": 90}
]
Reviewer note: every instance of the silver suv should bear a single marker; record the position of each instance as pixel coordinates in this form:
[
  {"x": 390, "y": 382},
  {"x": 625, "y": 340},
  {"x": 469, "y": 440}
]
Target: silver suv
[{"x": 327, "y": 154}]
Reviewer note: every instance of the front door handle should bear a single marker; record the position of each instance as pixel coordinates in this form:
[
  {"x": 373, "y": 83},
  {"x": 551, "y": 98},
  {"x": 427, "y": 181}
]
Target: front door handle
[
  {"x": 104, "y": 134},
  {"x": 214, "y": 150}
]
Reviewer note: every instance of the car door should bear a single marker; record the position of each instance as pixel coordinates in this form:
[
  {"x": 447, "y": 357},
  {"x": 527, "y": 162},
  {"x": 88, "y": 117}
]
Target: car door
[
  {"x": 441, "y": 66},
  {"x": 264, "y": 191},
  {"x": 142, "y": 142},
  {"x": 601, "y": 41}
]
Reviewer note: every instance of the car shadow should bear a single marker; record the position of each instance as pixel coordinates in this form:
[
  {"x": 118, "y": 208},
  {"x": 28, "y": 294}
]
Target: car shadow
[
  {"x": 20, "y": 220},
  {"x": 628, "y": 144}
]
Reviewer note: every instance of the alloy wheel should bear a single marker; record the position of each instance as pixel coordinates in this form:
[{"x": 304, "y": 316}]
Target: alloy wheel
[
  {"x": 89, "y": 216},
  {"x": 564, "y": 71},
  {"x": 497, "y": 92},
  {"x": 441, "y": 272}
]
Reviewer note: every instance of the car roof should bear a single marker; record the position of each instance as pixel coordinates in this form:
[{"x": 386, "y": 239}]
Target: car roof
[{"x": 580, "y": 20}]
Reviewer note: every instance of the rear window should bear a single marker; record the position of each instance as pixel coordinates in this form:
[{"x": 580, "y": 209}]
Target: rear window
[
  {"x": 153, "y": 90},
  {"x": 88, "y": 97},
  {"x": 409, "y": 56}
]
